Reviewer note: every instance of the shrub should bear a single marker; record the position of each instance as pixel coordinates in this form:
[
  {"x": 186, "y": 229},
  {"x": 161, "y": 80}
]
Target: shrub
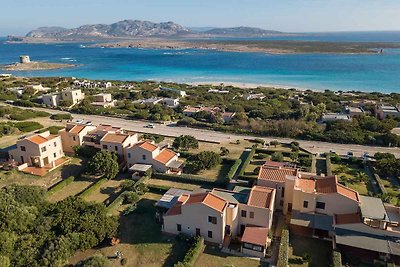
[
  {"x": 192, "y": 254},
  {"x": 60, "y": 185},
  {"x": 185, "y": 142},
  {"x": 277, "y": 156},
  {"x": 234, "y": 168},
  {"x": 328, "y": 165},
  {"x": 259, "y": 141},
  {"x": 61, "y": 116},
  {"x": 283, "y": 257},
  {"x": 247, "y": 161},
  {"x": 28, "y": 126},
  {"x": 85, "y": 151},
  {"x": 105, "y": 163},
  {"x": 336, "y": 258},
  {"x": 187, "y": 178}
]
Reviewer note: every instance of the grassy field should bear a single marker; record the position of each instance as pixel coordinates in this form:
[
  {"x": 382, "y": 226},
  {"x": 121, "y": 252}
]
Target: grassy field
[
  {"x": 235, "y": 150},
  {"x": 219, "y": 172},
  {"x": 141, "y": 240},
  {"x": 319, "y": 251},
  {"x": 213, "y": 257},
  {"x": 107, "y": 192},
  {"x": 159, "y": 182},
  {"x": 347, "y": 174}
]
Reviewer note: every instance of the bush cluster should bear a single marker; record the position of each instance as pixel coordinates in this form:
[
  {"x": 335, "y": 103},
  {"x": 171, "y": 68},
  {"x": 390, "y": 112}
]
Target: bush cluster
[{"x": 192, "y": 254}]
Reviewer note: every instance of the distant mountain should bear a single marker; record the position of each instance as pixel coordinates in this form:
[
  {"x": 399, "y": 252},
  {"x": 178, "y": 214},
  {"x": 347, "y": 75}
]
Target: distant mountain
[
  {"x": 125, "y": 28},
  {"x": 242, "y": 32},
  {"x": 139, "y": 28}
]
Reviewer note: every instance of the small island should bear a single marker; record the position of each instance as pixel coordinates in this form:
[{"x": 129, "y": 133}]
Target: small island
[{"x": 25, "y": 64}]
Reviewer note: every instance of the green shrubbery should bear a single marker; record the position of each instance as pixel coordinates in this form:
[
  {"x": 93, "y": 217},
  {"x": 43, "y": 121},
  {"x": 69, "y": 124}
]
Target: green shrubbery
[
  {"x": 247, "y": 160},
  {"x": 92, "y": 188},
  {"x": 27, "y": 126},
  {"x": 234, "y": 168},
  {"x": 61, "y": 116},
  {"x": 328, "y": 165},
  {"x": 193, "y": 179},
  {"x": 192, "y": 254},
  {"x": 336, "y": 258},
  {"x": 283, "y": 256}
]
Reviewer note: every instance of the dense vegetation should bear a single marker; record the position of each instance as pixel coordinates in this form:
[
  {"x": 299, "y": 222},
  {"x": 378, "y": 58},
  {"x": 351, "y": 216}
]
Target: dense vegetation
[
  {"x": 281, "y": 113},
  {"x": 34, "y": 232},
  {"x": 104, "y": 163}
]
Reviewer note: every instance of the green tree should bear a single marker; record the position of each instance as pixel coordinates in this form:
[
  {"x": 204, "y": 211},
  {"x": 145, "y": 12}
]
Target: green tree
[
  {"x": 277, "y": 156},
  {"x": 104, "y": 163},
  {"x": 224, "y": 151},
  {"x": 294, "y": 156},
  {"x": 95, "y": 261},
  {"x": 274, "y": 143},
  {"x": 362, "y": 177},
  {"x": 185, "y": 142}
]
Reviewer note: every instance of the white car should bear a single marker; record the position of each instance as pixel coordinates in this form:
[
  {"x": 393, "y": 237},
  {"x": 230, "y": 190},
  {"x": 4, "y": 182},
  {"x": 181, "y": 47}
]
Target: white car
[{"x": 152, "y": 126}]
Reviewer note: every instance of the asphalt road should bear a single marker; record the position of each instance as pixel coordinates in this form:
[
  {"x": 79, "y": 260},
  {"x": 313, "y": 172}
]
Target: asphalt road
[{"x": 207, "y": 135}]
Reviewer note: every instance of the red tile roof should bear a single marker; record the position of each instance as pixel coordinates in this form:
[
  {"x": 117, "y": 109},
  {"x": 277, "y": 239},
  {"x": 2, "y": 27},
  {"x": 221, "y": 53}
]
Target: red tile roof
[
  {"x": 207, "y": 199},
  {"x": 38, "y": 139},
  {"x": 147, "y": 146},
  {"x": 326, "y": 185},
  {"x": 255, "y": 235},
  {"x": 275, "y": 173},
  {"x": 165, "y": 156},
  {"x": 77, "y": 129},
  {"x": 261, "y": 197},
  {"x": 114, "y": 138}
]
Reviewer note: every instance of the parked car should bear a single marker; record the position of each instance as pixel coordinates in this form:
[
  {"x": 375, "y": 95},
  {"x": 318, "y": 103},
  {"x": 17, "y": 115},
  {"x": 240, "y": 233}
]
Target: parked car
[
  {"x": 152, "y": 126},
  {"x": 350, "y": 154}
]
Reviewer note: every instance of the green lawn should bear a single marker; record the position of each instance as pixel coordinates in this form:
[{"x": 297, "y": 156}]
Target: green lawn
[
  {"x": 319, "y": 250},
  {"x": 213, "y": 257},
  {"x": 347, "y": 174},
  {"x": 219, "y": 172},
  {"x": 141, "y": 240}
]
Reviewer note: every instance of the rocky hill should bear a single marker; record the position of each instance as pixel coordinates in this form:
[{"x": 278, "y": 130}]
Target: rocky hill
[{"x": 126, "y": 28}]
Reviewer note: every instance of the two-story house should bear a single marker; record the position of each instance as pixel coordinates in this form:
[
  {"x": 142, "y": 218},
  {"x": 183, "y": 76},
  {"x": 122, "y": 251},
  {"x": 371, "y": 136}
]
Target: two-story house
[
  {"x": 39, "y": 150},
  {"x": 72, "y": 135},
  {"x": 162, "y": 159}
]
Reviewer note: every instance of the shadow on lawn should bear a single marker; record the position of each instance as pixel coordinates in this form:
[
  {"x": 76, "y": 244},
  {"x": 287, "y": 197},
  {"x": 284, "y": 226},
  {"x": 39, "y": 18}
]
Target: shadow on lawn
[{"x": 215, "y": 251}]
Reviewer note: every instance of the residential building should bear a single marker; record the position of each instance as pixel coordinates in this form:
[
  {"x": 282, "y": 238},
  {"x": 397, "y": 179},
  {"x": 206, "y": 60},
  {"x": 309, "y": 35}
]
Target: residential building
[
  {"x": 118, "y": 142},
  {"x": 73, "y": 96},
  {"x": 218, "y": 91},
  {"x": 354, "y": 111},
  {"x": 170, "y": 102},
  {"x": 103, "y": 100},
  {"x": 274, "y": 174},
  {"x": 222, "y": 215},
  {"x": 39, "y": 150},
  {"x": 335, "y": 117},
  {"x": 72, "y": 135},
  {"x": 181, "y": 93},
  {"x": 384, "y": 111},
  {"x": 162, "y": 159},
  {"x": 260, "y": 96}
]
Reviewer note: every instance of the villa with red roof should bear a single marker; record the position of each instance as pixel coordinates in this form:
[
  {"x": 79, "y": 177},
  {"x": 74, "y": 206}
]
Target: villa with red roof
[
  {"x": 38, "y": 150},
  {"x": 72, "y": 135},
  {"x": 222, "y": 215},
  {"x": 162, "y": 159}
]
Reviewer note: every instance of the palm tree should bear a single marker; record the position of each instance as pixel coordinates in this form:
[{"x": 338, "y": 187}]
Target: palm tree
[{"x": 362, "y": 176}]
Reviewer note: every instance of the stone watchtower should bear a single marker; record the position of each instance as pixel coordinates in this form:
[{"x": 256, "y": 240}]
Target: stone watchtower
[{"x": 24, "y": 59}]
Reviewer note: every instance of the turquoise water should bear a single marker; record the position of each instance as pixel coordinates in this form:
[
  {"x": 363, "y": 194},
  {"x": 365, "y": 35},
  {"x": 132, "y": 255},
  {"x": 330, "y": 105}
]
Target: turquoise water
[{"x": 375, "y": 72}]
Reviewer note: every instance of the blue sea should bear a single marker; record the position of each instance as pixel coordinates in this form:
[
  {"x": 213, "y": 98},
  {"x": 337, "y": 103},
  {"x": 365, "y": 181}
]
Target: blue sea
[{"x": 372, "y": 72}]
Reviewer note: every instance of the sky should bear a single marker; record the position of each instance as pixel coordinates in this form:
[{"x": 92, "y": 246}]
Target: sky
[{"x": 20, "y": 16}]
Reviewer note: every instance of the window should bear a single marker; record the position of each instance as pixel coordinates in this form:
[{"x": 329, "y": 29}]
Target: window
[
  {"x": 73, "y": 137},
  {"x": 251, "y": 214},
  {"x": 320, "y": 205},
  {"x": 55, "y": 144},
  {"x": 212, "y": 219},
  {"x": 179, "y": 227},
  {"x": 129, "y": 155},
  {"x": 55, "y": 155},
  {"x": 253, "y": 247},
  {"x": 305, "y": 204},
  {"x": 244, "y": 213},
  {"x": 283, "y": 192},
  {"x": 242, "y": 227},
  {"x": 104, "y": 146},
  {"x": 116, "y": 148},
  {"x": 23, "y": 148},
  {"x": 43, "y": 149},
  {"x": 209, "y": 234},
  {"x": 144, "y": 157},
  {"x": 281, "y": 203}
]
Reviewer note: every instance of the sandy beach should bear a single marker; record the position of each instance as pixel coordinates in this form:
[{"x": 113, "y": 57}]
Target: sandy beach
[{"x": 251, "y": 85}]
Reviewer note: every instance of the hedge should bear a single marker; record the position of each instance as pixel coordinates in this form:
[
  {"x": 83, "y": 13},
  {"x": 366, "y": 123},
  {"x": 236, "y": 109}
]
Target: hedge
[
  {"x": 188, "y": 178},
  {"x": 284, "y": 153},
  {"x": 247, "y": 161},
  {"x": 93, "y": 187},
  {"x": 336, "y": 258},
  {"x": 192, "y": 254},
  {"x": 328, "y": 165},
  {"x": 283, "y": 257},
  {"x": 57, "y": 187},
  {"x": 61, "y": 116},
  {"x": 28, "y": 126},
  {"x": 234, "y": 168}
]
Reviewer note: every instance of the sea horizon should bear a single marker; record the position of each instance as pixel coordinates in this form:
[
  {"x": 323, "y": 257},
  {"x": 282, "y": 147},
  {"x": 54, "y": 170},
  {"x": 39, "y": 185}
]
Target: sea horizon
[{"x": 336, "y": 72}]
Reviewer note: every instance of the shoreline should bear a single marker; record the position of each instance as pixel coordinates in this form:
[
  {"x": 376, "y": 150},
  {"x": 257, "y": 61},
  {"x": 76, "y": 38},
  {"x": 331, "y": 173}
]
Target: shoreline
[{"x": 246, "y": 85}]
